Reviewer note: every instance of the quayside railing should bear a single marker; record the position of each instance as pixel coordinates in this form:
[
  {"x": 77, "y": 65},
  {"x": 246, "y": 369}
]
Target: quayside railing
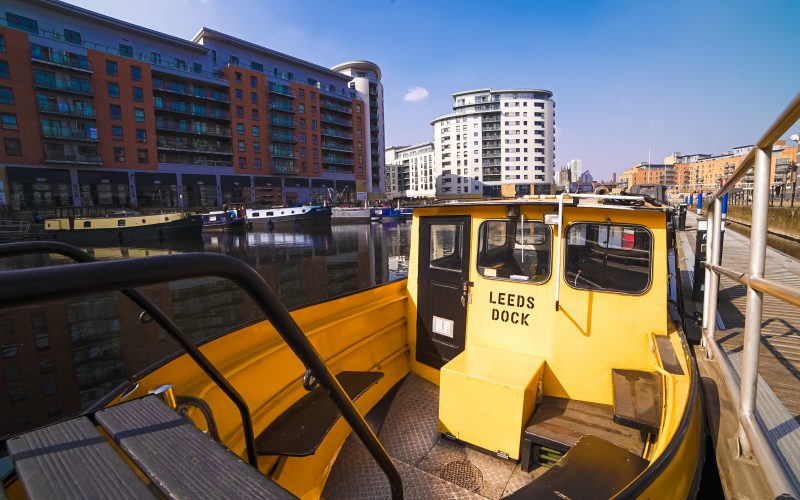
[
  {"x": 752, "y": 436},
  {"x": 30, "y": 286}
]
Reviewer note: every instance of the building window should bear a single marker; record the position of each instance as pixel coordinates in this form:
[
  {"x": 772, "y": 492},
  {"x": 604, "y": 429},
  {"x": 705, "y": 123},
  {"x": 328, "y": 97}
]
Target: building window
[
  {"x": 4, "y": 71},
  {"x": 241, "y": 146},
  {"x": 254, "y": 114},
  {"x": 313, "y": 97},
  {"x": 119, "y": 154},
  {"x": 242, "y": 162},
  {"x": 180, "y": 64},
  {"x": 22, "y": 23},
  {"x": 6, "y": 95},
  {"x": 113, "y": 90},
  {"x": 125, "y": 50},
  {"x": 253, "y": 97},
  {"x": 72, "y": 37},
  {"x": 313, "y": 139},
  {"x": 116, "y": 111},
  {"x": 138, "y": 115},
  {"x": 240, "y": 128},
  {"x": 155, "y": 58},
  {"x": 116, "y": 133},
  {"x": 138, "y": 94},
  {"x": 302, "y": 123},
  {"x": 8, "y": 351},
  {"x": 237, "y": 76},
  {"x": 239, "y": 94},
  {"x": 234, "y": 60},
  {"x": 257, "y": 147},
  {"x": 197, "y": 68},
  {"x": 141, "y": 135},
  {"x": 2, "y": 43},
  {"x": 49, "y": 388},
  {"x": 239, "y": 112},
  {"x": 301, "y": 108},
  {"x": 253, "y": 81},
  {"x": 257, "y": 163},
  {"x": 9, "y": 122},
  {"x": 256, "y": 131},
  {"x": 313, "y": 124},
  {"x": 301, "y": 93},
  {"x": 136, "y": 73},
  {"x": 111, "y": 68},
  {"x": 256, "y": 66},
  {"x": 142, "y": 156},
  {"x": 12, "y": 146},
  {"x": 316, "y": 167},
  {"x": 11, "y": 373},
  {"x": 303, "y": 137}
]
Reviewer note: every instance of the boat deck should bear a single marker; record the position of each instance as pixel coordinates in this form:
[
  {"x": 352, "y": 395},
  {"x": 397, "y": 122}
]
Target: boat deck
[
  {"x": 407, "y": 426},
  {"x": 778, "y": 398}
]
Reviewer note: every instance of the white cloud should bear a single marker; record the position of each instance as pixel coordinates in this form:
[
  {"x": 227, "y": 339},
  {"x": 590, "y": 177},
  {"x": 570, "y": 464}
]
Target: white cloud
[{"x": 415, "y": 94}]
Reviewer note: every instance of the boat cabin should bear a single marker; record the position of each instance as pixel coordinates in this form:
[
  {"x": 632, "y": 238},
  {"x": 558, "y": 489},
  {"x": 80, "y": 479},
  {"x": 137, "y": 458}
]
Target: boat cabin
[{"x": 533, "y": 350}]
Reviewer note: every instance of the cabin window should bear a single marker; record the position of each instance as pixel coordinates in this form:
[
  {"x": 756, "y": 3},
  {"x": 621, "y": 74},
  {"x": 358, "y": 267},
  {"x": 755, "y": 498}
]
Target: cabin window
[
  {"x": 446, "y": 246},
  {"x": 269, "y": 214},
  {"x": 255, "y": 214},
  {"x": 87, "y": 223},
  {"x": 121, "y": 222},
  {"x": 515, "y": 250},
  {"x": 608, "y": 257}
]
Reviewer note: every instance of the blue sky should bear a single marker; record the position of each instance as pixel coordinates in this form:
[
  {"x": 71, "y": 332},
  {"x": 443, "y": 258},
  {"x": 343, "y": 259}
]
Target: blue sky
[{"x": 627, "y": 76}]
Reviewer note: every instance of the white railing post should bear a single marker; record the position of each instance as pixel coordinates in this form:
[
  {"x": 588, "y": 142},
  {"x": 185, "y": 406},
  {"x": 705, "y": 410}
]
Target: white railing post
[
  {"x": 753, "y": 312},
  {"x": 713, "y": 255},
  {"x": 706, "y": 272}
]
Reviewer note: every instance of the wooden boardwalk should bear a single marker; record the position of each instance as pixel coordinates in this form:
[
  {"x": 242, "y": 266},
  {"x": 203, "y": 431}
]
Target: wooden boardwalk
[{"x": 779, "y": 362}]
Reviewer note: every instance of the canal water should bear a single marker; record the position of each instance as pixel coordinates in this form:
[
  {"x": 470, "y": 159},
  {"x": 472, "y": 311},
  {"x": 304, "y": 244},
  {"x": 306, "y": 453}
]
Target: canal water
[{"x": 59, "y": 358}]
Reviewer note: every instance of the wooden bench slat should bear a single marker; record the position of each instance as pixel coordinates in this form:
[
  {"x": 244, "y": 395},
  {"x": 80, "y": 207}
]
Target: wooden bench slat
[
  {"x": 300, "y": 429},
  {"x": 179, "y": 459},
  {"x": 72, "y": 460},
  {"x": 637, "y": 399}
]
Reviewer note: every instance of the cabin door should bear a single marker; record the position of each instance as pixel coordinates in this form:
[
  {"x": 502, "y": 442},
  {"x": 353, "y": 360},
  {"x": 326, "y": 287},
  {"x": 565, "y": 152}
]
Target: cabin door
[{"x": 442, "y": 289}]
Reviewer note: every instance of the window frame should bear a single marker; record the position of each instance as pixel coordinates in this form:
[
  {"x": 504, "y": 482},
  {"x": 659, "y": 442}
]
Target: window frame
[
  {"x": 600, "y": 290},
  {"x": 500, "y": 278}
]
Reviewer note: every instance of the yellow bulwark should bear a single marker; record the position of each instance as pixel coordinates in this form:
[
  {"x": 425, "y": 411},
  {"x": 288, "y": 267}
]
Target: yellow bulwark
[{"x": 111, "y": 222}]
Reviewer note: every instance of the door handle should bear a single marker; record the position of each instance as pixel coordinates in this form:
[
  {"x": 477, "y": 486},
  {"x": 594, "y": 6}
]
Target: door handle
[{"x": 466, "y": 297}]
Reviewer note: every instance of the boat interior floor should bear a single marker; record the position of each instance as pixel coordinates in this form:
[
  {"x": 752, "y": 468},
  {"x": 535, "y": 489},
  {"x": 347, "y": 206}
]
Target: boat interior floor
[{"x": 431, "y": 466}]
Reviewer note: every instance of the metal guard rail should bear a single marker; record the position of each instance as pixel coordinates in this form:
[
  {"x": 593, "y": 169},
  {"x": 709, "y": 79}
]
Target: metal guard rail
[
  {"x": 752, "y": 437},
  {"x": 78, "y": 255},
  {"x": 27, "y": 286}
]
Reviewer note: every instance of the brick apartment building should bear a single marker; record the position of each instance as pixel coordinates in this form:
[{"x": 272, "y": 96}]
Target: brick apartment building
[{"x": 97, "y": 112}]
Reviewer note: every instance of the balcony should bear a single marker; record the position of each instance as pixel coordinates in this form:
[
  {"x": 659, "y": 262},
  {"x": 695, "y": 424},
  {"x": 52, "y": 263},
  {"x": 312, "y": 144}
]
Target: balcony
[
  {"x": 491, "y": 127},
  {"x": 75, "y": 134},
  {"x": 324, "y": 103},
  {"x": 189, "y": 129},
  {"x": 281, "y": 106},
  {"x": 280, "y": 122},
  {"x": 329, "y": 132},
  {"x": 194, "y": 111},
  {"x": 192, "y": 147},
  {"x": 491, "y": 119},
  {"x": 64, "y": 109},
  {"x": 281, "y": 152},
  {"x": 335, "y": 160},
  {"x": 490, "y": 136},
  {"x": 337, "y": 170},
  {"x": 190, "y": 90},
  {"x": 70, "y": 61},
  {"x": 284, "y": 167},
  {"x": 491, "y": 163},
  {"x": 335, "y": 120},
  {"x": 333, "y": 146},
  {"x": 491, "y": 154},
  {"x": 279, "y": 136},
  {"x": 277, "y": 88},
  {"x": 74, "y": 86},
  {"x": 184, "y": 160},
  {"x": 72, "y": 157}
]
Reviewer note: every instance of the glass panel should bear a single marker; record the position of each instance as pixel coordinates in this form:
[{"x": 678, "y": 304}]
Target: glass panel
[
  {"x": 608, "y": 257},
  {"x": 517, "y": 251},
  {"x": 446, "y": 246}
]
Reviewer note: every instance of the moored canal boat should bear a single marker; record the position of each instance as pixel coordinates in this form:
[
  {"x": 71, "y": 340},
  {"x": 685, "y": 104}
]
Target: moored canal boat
[
  {"x": 290, "y": 217},
  {"x": 532, "y": 351},
  {"x": 123, "y": 227},
  {"x": 224, "y": 220}
]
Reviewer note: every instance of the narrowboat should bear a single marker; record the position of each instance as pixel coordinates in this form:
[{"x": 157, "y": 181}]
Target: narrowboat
[
  {"x": 533, "y": 350},
  {"x": 350, "y": 215},
  {"x": 289, "y": 217},
  {"x": 123, "y": 228},
  {"x": 385, "y": 214},
  {"x": 223, "y": 220}
]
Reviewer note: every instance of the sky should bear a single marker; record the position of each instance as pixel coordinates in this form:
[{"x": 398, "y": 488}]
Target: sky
[{"x": 631, "y": 79}]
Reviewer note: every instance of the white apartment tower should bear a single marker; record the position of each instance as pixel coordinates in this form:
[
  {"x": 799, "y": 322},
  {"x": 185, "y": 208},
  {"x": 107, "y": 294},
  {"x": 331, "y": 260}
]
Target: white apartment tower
[
  {"x": 410, "y": 171},
  {"x": 366, "y": 81},
  {"x": 496, "y": 138},
  {"x": 576, "y": 169}
]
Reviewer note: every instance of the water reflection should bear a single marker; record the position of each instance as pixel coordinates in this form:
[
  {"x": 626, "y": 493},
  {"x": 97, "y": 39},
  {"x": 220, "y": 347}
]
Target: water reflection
[{"x": 60, "y": 357}]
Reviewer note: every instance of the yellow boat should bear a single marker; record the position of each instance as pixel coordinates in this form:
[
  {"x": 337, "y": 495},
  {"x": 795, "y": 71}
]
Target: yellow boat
[{"x": 532, "y": 351}]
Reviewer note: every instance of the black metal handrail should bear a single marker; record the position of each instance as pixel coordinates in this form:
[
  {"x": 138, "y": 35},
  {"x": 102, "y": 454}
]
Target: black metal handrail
[
  {"x": 26, "y": 286},
  {"x": 78, "y": 255}
]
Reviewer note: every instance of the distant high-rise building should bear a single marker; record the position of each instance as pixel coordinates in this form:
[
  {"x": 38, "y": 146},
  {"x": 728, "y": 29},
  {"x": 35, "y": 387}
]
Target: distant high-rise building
[
  {"x": 496, "y": 139},
  {"x": 564, "y": 177},
  {"x": 410, "y": 171},
  {"x": 576, "y": 167}
]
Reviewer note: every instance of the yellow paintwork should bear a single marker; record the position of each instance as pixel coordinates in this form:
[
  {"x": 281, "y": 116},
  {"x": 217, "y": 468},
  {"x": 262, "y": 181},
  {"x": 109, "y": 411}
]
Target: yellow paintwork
[
  {"x": 487, "y": 396},
  {"x": 111, "y": 222}
]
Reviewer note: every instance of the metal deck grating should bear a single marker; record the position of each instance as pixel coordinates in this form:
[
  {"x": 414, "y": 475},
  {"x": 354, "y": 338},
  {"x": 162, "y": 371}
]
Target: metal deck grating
[{"x": 410, "y": 435}]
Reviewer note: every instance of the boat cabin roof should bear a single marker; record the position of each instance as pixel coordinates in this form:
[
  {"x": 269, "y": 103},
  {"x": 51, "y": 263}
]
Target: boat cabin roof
[{"x": 610, "y": 202}]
